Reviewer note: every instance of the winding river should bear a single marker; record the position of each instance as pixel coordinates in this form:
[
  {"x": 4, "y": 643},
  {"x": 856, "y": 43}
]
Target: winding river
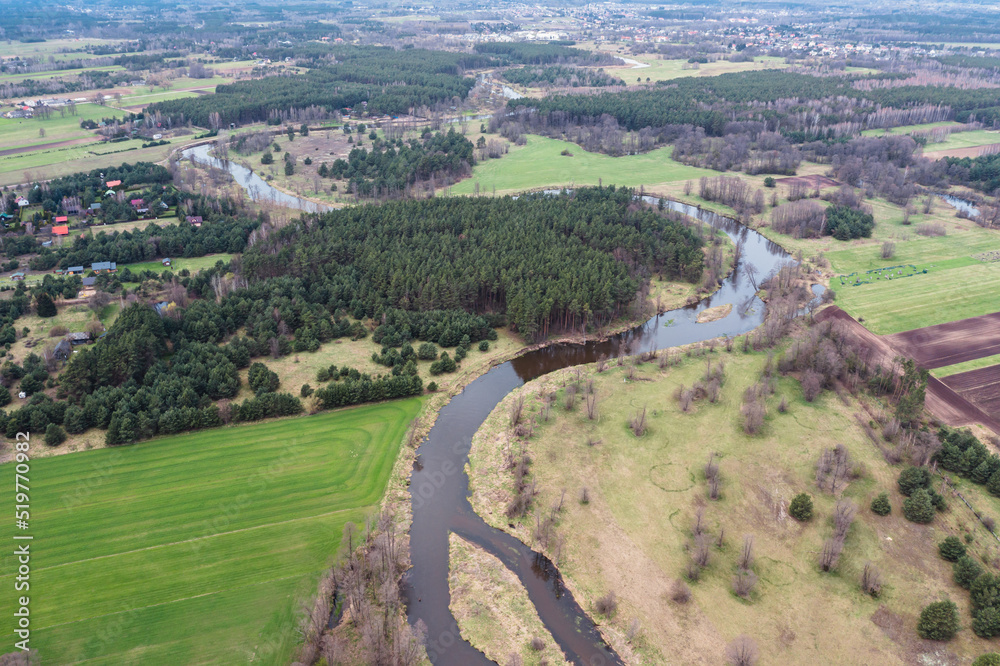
[{"x": 439, "y": 487}]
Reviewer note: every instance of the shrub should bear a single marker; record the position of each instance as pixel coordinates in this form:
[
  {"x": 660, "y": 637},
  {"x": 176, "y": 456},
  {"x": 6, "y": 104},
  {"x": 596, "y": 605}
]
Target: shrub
[
  {"x": 988, "y": 659},
  {"x": 680, "y": 592},
  {"x": 769, "y": 181},
  {"x": 918, "y": 507},
  {"x": 484, "y": 345},
  {"x": 608, "y": 604},
  {"x": 881, "y": 505},
  {"x": 965, "y": 571},
  {"x": 267, "y": 158},
  {"x": 912, "y": 478},
  {"x": 938, "y": 621},
  {"x": 801, "y": 507},
  {"x": 537, "y": 644},
  {"x": 54, "y": 435},
  {"x": 951, "y": 549},
  {"x": 58, "y": 331},
  {"x": 432, "y": 387},
  {"x": 306, "y": 391}
]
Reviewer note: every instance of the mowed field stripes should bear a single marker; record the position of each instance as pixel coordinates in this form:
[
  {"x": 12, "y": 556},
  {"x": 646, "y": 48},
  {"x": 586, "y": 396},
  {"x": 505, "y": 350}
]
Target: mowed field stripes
[{"x": 197, "y": 548}]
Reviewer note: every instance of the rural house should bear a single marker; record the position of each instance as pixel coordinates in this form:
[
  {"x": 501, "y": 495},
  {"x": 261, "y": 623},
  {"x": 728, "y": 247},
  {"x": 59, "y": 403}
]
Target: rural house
[
  {"x": 62, "y": 350},
  {"x": 74, "y": 270},
  {"x": 194, "y": 220},
  {"x": 104, "y": 267},
  {"x": 61, "y": 230}
]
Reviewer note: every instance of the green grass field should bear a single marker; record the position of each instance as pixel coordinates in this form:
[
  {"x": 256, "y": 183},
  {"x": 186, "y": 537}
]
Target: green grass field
[
  {"x": 910, "y": 129},
  {"x": 539, "y": 164},
  {"x": 924, "y": 300},
  {"x": 974, "y": 364},
  {"x": 969, "y": 139},
  {"x": 197, "y": 548},
  {"x": 194, "y": 264}
]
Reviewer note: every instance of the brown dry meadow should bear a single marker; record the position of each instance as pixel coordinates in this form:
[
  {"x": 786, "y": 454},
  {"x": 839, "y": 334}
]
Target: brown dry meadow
[{"x": 638, "y": 529}]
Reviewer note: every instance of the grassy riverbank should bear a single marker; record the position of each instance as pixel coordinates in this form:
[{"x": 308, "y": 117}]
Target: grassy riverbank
[{"x": 633, "y": 533}]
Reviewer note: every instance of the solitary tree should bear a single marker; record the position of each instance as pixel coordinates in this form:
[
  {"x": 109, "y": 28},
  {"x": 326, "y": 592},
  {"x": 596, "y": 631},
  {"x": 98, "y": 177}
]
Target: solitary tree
[
  {"x": 44, "y": 305},
  {"x": 938, "y": 621},
  {"x": 801, "y": 507}
]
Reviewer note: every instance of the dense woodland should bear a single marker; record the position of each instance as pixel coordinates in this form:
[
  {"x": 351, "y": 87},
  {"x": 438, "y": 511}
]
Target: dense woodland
[
  {"x": 393, "y": 169},
  {"x": 385, "y": 81},
  {"x": 442, "y": 272},
  {"x": 549, "y": 263},
  {"x": 559, "y": 75}
]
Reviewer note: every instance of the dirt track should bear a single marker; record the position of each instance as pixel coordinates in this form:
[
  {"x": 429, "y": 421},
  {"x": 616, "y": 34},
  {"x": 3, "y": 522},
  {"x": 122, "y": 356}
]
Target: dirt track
[
  {"x": 951, "y": 343},
  {"x": 942, "y": 402}
]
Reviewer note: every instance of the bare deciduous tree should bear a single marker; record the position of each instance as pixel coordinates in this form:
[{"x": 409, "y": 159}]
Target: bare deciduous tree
[
  {"x": 744, "y": 583},
  {"x": 742, "y": 651},
  {"x": 515, "y": 409},
  {"x": 871, "y": 580},
  {"x": 746, "y": 556},
  {"x": 638, "y": 423},
  {"x": 830, "y": 555}
]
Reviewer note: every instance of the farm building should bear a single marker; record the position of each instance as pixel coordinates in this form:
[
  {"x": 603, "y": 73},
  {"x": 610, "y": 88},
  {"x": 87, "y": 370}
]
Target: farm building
[
  {"x": 79, "y": 338},
  {"x": 89, "y": 281},
  {"x": 165, "y": 262},
  {"x": 62, "y": 350},
  {"x": 104, "y": 267},
  {"x": 17, "y": 276},
  {"x": 62, "y": 219}
]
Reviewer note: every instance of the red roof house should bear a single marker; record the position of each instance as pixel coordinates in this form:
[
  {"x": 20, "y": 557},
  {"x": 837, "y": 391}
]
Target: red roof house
[
  {"x": 114, "y": 183},
  {"x": 62, "y": 218},
  {"x": 61, "y": 230}
]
